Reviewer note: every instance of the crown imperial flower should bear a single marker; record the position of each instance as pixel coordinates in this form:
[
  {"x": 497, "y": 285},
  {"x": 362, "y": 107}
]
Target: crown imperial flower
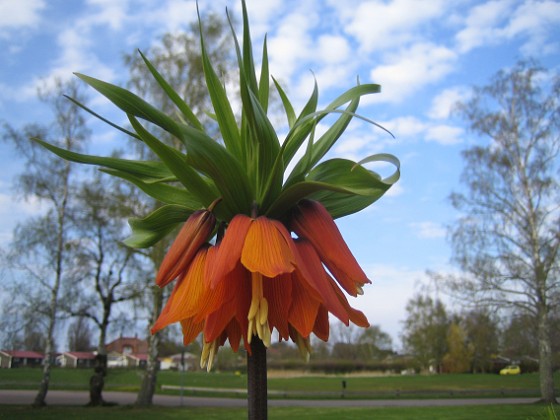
[{"x": 258, "y": 251}]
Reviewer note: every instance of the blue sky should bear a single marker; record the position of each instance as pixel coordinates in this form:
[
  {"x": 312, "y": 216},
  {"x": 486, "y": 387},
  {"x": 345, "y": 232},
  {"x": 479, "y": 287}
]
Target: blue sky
[{"x": 426, "y": 55}]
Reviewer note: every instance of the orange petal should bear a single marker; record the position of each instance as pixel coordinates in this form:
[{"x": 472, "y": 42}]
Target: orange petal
[
  {"x": 311, "y": 271},
  {"x": 303, "y": 310},
  {"x": 192, "y": 235},
  {"x": 218, "y": 320},
  {"x": 191, "y": 330},
  {"x": 312, "y": 221},
  {"x": 236, "y": 304},
  {"x": 229, "y": 249},
  {"x": 233, "y": 331},
  {"x": 321, "y": 327},
  {"x": 267, "y": 249},
  {"x": 356, "y": 316},
  {"x": 278, "y": 293},
  {"x": 186, "y": 298}
]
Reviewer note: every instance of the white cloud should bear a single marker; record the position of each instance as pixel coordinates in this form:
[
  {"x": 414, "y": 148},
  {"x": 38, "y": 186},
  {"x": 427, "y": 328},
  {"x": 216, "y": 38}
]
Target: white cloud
[
  {"x": 260, "y": 14},
  {"x": 494, "y": 22},
  {"x": 481, "y": 24},
  {"x": 381, "y": 25},
  {"x": 428, "y": 230},
  {"x": 411, "y": 69},
  {"x": 535, "y": 20},
  {"x": 108, "y": 12},
  {"x": 332, "y": 49},
  {"x": 414, "y": 128},
  {"x": 405, "y": 126},
  {"x": 290, "y": 45},
  {"x": 20, "y": 13},
  {"x": 443, "y": 103},
  {"x": 171, "y": 15},
  {"x": 444, "y": 134}
]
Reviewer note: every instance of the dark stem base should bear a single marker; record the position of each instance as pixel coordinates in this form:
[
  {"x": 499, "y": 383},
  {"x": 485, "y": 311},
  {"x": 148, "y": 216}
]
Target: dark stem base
[{"x": 256, "y": 381}]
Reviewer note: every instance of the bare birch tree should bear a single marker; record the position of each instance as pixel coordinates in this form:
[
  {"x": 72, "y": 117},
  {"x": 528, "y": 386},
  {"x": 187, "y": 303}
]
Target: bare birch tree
[
  {"x": 42, "y": 246},
  {"x": 508, "y": 236}
]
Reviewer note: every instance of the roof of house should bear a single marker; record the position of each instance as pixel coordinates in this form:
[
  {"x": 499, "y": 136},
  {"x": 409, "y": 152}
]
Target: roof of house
[
  {"x": 24, "y": 354},
  {"x": 138, "y": 346},
  {"x": 80, "y": 354}
]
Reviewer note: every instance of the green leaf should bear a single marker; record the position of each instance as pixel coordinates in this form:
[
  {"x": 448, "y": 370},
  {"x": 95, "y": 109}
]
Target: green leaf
[
  {"x": 177, "y": 164},
  {"x": 361, "y": 186},
  {"x": 289, "y": 197},
  {"x": 132, "y": 104},
  {"x": 264, "y": 82},
  {"x": 174, "y": 96},
  {"x": 345, "y": 174},
  {"x": 324, "y": 144},
  {"x": 248, "y": 62},
  {"x": 268, "y": 152},
  {"x": 165, "y": 193},
  {"x": 343, "y": 186},
  {"x": 309, "y": 119},
  {"x": 105, "y": 120},
  {"x": 152, "y": 228},
  {"x": 222, "y": 109},
  {"x": 387, "y": 158},
  {"x": 353, "y": 93},
  {"x": 156, "y": 171},
  {"x": 288, "y": 108},
  {"x": 341, "y": 204},
  {"x": 227, "y": 174},
  {"x": 301, "y": 129}
]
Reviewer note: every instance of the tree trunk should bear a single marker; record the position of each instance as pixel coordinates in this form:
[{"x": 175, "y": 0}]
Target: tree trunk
[
  {"x": 545, "y": 359},
  {"x": 148, "y": 386},
  {"x": 40, "y": 398},
  {"x": 97, "y": 381},
  {"x": 256, "y": 381}
]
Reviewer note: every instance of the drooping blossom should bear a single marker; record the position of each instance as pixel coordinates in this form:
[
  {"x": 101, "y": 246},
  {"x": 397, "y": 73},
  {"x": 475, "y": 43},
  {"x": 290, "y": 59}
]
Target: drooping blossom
[
  {"x": 258, "y": 254},
  {"x": 258, "y": 279}
]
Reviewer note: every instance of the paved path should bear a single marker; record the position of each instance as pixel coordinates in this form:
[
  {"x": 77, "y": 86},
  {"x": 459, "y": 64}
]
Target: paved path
[{"x": 20, "y": 397}]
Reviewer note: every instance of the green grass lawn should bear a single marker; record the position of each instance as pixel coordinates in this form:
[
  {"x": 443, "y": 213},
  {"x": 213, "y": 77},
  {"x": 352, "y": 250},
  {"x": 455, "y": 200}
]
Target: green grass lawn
[
  {"x": 415, "y": 386},
  {"x": 371, "y": 387},
  {"x": 397, "y": 413}
]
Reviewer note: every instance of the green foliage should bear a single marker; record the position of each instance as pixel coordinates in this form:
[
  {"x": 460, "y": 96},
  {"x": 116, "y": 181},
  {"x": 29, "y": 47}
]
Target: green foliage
[
  {"x": 459, "y": 355},
  {"x": 425, "y": 331},
  {"x": 247, "y": 167}
]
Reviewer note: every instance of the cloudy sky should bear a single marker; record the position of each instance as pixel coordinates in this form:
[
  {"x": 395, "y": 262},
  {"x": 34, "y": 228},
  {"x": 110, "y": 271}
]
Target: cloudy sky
[{"x": 425, "y": 54}]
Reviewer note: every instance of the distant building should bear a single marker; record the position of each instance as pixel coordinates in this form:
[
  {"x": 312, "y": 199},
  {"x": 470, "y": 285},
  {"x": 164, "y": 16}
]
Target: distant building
[
  {"x": 137, "y": 360},
  {"x": 116, "y": 359},
  {"x": 76, "y": 359},
  {"x": 128, "y": 345},
  {"x": 20, "y": 358}
]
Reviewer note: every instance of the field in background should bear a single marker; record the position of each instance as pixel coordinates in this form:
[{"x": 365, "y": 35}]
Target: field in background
[{"x": 283, "y": 385}]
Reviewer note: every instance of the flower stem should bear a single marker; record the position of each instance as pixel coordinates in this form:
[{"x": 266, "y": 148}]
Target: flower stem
[{"x": 256, "y": 381}]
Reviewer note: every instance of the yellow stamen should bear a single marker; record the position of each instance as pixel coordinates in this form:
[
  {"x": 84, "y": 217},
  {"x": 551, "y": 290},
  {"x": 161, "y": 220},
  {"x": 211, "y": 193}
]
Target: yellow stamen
[
  {"x": 209, "y": 351},
  {"x": 258, "y": 312},
  {"x": 304, "y": 345}
]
